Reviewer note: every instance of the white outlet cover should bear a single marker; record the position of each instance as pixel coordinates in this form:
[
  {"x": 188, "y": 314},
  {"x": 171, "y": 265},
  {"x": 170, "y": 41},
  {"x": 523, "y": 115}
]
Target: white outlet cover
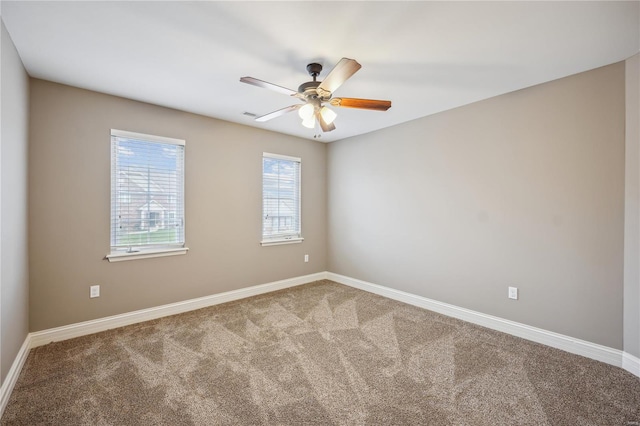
[
  {"x": 513, "y": 293},
  {"x": 94, "y": 291}
]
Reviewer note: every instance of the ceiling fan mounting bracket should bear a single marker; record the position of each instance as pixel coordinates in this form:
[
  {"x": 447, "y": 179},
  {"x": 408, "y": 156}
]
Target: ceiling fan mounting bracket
[{"x": 314, "y": 69}]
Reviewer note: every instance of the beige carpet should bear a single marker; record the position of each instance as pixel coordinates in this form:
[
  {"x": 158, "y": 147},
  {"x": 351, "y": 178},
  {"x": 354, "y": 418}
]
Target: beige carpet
[{"x": 318, "y": 354}]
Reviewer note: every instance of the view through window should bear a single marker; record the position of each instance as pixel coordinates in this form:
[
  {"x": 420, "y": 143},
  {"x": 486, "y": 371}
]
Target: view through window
[
  {"x": 280, "y": 199},
  {"x": 147, "y": 192}
]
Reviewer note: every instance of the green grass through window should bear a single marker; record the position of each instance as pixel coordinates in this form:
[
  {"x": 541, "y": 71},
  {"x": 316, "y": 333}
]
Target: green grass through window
[{"x": 138, "y": 238}]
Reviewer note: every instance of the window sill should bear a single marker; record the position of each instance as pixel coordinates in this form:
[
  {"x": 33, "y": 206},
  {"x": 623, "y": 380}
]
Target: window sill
[
  {"x": 145, "y": 254},
  {"x": 296, "y": 240}
]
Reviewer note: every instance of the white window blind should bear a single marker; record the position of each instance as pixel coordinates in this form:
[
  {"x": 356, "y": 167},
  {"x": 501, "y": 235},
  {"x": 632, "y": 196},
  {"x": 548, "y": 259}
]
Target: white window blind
[
  {"x": 147, "y": 192},
  {"x": 280, "y": 199}
]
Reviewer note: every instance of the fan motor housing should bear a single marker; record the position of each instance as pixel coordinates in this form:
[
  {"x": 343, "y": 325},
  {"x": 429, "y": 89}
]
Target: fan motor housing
[{"x": 309, "y": 88}]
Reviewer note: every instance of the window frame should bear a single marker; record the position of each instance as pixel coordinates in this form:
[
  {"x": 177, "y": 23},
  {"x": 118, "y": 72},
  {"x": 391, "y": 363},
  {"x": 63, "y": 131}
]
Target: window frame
[
  {"x": 294, "y": 237},
  {"x": 149, "y": 250}
]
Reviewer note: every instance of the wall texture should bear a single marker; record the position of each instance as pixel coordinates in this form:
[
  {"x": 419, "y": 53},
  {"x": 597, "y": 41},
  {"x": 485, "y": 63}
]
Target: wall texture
[
  {"x": 69, "y": 187},
  {"x": 14, "y": 275},
  {"x": 525, "y": 190},
  {"x": 632, "y": 209}
]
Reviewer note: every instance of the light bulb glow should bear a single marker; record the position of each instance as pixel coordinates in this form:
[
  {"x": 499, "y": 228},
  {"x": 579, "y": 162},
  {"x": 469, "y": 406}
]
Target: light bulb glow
[
  {"x": 310, "y": 122},
  {"x": 306, "y": 112},
  {"x": 328, "y": 115}
]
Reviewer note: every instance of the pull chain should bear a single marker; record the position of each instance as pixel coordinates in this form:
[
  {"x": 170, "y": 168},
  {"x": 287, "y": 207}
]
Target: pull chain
[{"x": 318, "y": 134}]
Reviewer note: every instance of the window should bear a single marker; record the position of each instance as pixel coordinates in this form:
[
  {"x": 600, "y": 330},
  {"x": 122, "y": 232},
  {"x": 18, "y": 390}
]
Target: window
[
  {"x": 280, "y": 200},
  {"x": 147, "y": 196}
]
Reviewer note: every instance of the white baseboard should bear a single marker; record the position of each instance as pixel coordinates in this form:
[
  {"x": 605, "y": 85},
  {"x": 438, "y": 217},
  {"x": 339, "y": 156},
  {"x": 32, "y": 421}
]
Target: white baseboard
[
  {"x": 549, "y": 338},
  {"x": 631, "y": 363},
  {"x": 13, "y": 374},
  {"x": 43, "y": 337}
]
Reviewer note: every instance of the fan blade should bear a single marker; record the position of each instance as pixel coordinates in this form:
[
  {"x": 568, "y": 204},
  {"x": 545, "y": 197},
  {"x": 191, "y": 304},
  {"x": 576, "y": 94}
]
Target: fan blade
[
  {"x": 279, "y": 112},
  {"x": 323, "y": 124},
  {"x": 338, "y": 75},
  {"x": 271, "y": 86},
  {"x": 372, "y": 104}
]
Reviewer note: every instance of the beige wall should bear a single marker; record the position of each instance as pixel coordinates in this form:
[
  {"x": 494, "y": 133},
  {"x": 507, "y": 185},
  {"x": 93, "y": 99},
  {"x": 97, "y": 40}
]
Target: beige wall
[
  {"x": 14, "y": 276},
  {"x": 632, "y": 210},
  {"x": 69, "y": 212},
  {"x": 525, "y": 190}
]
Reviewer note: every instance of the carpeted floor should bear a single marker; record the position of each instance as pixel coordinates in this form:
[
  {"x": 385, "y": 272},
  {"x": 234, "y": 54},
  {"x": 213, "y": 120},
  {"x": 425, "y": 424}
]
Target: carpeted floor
[{"x": 318, "y": 354}]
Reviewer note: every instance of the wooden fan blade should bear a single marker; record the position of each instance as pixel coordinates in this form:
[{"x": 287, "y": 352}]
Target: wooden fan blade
[
  {"x": 279, "y": 112},
  {"x": 270, "y": 86},
  {"x": 372, "y": 104},
  {"x": 323, "y": 124},
  {"x": 338, "y": 75}
]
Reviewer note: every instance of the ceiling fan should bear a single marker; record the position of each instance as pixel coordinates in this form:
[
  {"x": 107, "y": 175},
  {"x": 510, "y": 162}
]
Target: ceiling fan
[{"x": 315, "y": 94}]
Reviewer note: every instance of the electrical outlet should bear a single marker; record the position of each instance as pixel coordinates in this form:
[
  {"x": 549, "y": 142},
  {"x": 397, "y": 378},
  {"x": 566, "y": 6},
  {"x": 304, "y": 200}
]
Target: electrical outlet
[
  {"x": 513, "y": 293},
  {"x": 94, "y": 291},
  {"x": 306, "y": 257}
]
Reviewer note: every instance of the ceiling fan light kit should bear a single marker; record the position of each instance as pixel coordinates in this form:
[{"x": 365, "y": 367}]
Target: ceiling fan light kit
[
  {"x": 327, "y": 114},
  {"x": 315, "y": 94},
  {"x": 309, "y": 123},
  {"x": 306, "y": 111}
]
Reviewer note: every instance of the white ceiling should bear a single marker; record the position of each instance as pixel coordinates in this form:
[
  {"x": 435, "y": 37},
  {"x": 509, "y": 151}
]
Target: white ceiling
[{"x": 425, "y": 57}]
